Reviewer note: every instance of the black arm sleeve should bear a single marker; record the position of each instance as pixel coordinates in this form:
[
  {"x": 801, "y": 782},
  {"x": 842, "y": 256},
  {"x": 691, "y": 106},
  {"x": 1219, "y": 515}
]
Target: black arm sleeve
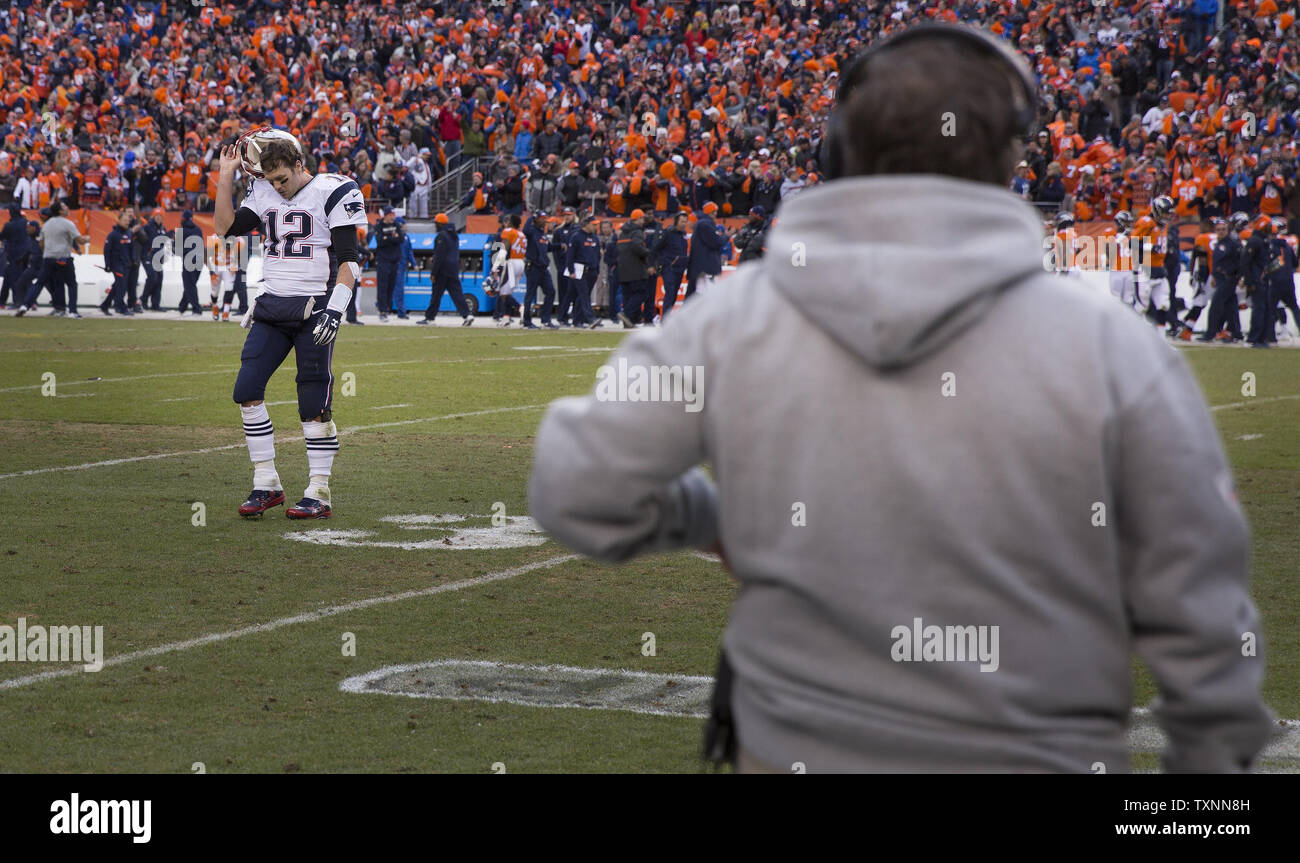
[
  {"x": 245, "y": 222},
  {"x": 343, "y": 242}
]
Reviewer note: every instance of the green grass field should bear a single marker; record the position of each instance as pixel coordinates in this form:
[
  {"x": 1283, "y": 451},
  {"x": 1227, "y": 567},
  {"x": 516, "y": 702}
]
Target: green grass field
[{"x": 441, "y": 423}]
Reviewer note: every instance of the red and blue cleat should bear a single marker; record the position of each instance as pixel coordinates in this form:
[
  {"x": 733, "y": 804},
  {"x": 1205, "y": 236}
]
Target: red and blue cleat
[
  {"x": 259, "y": 502},
  {"x": 309, "y": 507}
]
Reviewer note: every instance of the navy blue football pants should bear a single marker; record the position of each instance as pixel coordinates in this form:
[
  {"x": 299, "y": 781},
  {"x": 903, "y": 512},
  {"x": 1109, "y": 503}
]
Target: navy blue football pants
[{"x": 281, "y": 324}]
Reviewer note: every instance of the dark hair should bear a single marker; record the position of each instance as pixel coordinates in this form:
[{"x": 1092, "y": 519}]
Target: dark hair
[
  {"x": 278, "y": 152},
  {"x": 895, "y": 121}
]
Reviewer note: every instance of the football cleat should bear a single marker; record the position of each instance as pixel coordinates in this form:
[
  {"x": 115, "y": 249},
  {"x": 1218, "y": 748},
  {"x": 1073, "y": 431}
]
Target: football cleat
[
  {"x": 309, "y": 508},
  {"x": 225, "y": 315},
  {"x": 260, "y": 501}
]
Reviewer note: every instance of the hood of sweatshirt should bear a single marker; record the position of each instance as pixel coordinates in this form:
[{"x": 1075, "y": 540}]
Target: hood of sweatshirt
[{"x": 892, "y": 267}]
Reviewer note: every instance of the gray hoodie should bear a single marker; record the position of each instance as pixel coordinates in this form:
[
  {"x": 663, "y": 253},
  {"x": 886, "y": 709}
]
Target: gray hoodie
[{"x": 911, "y": 424}]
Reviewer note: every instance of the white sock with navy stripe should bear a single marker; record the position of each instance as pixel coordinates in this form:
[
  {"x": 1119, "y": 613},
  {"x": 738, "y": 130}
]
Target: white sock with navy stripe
[
  {"x": 260, "y": 435},
  {"x": 322, "y": 444}
]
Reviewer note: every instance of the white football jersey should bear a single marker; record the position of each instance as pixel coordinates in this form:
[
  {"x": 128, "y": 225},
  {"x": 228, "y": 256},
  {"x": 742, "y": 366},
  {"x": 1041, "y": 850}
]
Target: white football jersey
[{"x": 296, "y": 231}]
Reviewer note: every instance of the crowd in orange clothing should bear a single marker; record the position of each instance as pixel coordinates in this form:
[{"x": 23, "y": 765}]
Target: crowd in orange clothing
[{"x": 661, "y": 105}]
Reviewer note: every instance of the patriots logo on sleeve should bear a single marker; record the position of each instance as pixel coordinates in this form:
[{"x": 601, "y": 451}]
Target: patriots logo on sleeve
[{"x": 353, "y": 207}]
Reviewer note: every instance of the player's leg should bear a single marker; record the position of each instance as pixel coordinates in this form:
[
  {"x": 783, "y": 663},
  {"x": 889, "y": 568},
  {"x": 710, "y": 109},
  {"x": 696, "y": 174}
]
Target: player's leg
[
  {"x": 215, "y": 292},
  {"x": 264, "y": 350},
  {"x": 615, "y": 289},
  {"x": 399, "y": 295},
  {"x": 583, "y": 316},
  {"x": 548, "y": 296},
  {"x": 132, "y": 284},
  {"x": 566, "y": 295},
  {"x": 437, "y": 287},
  {"x": 153, "y": 290},
  {"x": 315, "y": 400},
  {"x": 514, "y": 281},
  {"x": 385, "y": 277},
  {"x": 532, "y": 281},
  {"x": 458, "y": 298},
  {"x": 1286, "y": 295},
  {"x": 114, "y": 297},
  {"x": 631, "y": 303},
  {"x": 1261, "y": 315},
  {"x": 1195, "y": 306},
  {"x": 241, "y": 292},
  {"x": 67, "y": 277}
]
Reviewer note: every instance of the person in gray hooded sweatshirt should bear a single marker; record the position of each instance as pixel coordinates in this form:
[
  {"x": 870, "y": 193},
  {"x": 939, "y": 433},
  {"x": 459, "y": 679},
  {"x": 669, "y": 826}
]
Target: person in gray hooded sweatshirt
[{"x": 942, "y": 477}]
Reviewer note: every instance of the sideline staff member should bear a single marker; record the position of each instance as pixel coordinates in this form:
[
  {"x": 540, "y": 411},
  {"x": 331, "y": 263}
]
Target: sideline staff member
[{"x": 887, "y": 461}]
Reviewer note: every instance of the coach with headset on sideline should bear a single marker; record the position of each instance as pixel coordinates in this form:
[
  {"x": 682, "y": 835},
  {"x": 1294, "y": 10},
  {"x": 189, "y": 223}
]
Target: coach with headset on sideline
[{"x": 947, "y": 541}]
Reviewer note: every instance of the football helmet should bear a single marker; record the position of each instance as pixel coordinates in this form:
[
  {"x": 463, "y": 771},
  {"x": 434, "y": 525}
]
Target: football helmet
[
  {"x": 1063, "y": 221},
  {"x": 1162, "y": 208},
  {"x": 1124, "y": 221},
  {"x": 249, "y": 148},
  {"x": 1239, "y": 221}
]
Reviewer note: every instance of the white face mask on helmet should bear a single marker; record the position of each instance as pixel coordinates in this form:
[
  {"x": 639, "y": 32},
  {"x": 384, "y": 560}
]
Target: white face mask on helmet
[{"x": 249, "y": 148}]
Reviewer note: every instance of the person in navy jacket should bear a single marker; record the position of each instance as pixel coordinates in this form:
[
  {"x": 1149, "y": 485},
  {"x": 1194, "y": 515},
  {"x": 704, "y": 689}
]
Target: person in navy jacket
[
  {"x": 706, "y": 249},
  {"x": 17, "y": 247},
  {"x": 584, "y": 250},
  {"x": 118, "y": 259},
  {"x": 537, "y": 272},
  {"x": 446, "y": 272},
  {"x": 671, "y": 257}
]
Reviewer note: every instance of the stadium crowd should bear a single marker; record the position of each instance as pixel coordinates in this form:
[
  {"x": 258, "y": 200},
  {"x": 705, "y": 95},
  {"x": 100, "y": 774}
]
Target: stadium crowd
[{"x": 662, "y": 106}]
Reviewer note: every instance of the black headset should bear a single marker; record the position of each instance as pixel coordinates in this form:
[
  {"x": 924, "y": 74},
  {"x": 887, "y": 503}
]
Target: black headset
[{"x": 855, "y": 74}]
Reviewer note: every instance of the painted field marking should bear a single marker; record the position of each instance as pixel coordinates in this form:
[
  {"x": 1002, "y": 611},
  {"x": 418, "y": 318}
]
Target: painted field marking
[
  {"x": 1253, "y": 402},
  {"x": 682, "y": 695},
  {"x": 183, "y": 399},
  {"x": 389, "y": 407},
  {"x": 205, "y": 451},
  {"x": 518, "y": 531},
  {"x": 1280, "y": 755},
  {"x": 1248, "y": 437},
  {"x": 669, "y": 695},
  {"x": 305, "y": 617}
]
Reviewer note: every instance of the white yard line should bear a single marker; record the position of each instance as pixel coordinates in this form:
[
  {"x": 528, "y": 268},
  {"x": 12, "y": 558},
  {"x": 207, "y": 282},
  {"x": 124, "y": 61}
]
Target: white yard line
[
  {"x": 574, "y": 352},
  {"x": 1253, "y": 402},
  {"x": 388, "y": 407},
  {"x": 280, "y": 623},
  {"x": 343, "y": 431}
]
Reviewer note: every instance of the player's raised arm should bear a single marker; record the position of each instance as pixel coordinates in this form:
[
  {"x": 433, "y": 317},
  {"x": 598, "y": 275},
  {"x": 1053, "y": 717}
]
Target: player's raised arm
[
  {"x": 224, "y": 216},
  {"x": 227, "y": 221}
]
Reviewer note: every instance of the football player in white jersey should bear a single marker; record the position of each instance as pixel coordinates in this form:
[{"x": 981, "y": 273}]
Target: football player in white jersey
[{"x": 304, "y": 219}]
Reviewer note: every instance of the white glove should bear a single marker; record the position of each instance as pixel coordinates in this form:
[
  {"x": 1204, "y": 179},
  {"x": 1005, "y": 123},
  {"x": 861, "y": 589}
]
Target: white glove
[{"x": 247, "y": 320}]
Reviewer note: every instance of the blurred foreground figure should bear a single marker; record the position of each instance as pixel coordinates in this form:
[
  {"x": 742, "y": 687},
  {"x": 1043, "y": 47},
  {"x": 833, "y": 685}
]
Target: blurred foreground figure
[{"x": 957, "y": 492}]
